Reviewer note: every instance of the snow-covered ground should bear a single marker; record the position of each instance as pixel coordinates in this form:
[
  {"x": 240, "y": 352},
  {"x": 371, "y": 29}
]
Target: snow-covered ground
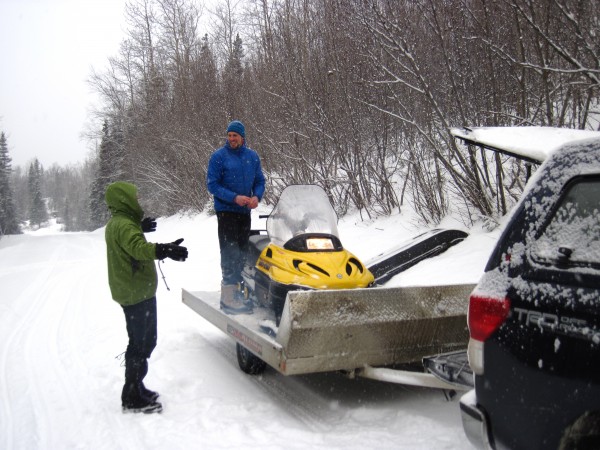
[{"x": 61, "y": 336}]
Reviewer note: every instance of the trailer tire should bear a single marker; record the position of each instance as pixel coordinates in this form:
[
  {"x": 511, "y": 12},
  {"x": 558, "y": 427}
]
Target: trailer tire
[{"x": 248, "y": 362}]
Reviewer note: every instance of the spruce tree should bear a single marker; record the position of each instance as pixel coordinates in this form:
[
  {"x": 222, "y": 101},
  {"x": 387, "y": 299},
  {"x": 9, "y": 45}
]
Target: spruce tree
[
  {"x": 8, "y": 215},
  {"x": 108, "y": 170},
  {"x": 233, "y": 79},
  {"x": 37, "y": 206},
  {"x": 66, "y": 217}
]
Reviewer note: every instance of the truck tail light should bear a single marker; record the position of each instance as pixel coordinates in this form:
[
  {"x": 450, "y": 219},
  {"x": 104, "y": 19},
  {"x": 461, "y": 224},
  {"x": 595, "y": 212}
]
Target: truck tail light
[{"x": 486, "y": 315}]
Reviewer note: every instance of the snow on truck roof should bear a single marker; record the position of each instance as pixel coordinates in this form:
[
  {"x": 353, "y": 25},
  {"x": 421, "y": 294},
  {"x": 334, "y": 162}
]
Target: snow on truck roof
[{"x": 533, "y": 144}]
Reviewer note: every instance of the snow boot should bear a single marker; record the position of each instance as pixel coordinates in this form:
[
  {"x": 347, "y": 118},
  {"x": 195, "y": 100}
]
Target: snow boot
[
  {"x": 151, "y": 395},
  {"x": 134, "y": 402},
  {"x": 232, "y": 300}
]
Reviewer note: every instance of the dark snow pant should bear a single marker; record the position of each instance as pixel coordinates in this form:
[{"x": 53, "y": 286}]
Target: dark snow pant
[
  {"x": 234, "y": 232},
  {"x": 142, "y": 331}
]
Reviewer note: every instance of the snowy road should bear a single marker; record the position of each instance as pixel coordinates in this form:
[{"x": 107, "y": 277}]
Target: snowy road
[{"x": 60, "y": 378}]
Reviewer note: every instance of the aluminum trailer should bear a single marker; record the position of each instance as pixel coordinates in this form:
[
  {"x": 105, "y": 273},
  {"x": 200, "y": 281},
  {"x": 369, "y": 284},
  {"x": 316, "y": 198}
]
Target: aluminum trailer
[{"x": 362, "y": 332}]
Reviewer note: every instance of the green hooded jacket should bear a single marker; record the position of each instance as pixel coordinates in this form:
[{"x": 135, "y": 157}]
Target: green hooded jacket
[{"x": 131, "y": 270}]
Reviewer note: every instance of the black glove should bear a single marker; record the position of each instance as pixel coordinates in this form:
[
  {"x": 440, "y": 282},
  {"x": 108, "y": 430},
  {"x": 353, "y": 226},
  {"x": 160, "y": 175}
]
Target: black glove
[
  {"x": 172, "y": 250},
  {"x": 149, "y": 225}
]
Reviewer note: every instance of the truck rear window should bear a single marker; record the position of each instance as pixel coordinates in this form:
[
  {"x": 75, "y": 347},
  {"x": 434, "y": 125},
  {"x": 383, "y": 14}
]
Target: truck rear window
[{"x": 572, "y": 235}]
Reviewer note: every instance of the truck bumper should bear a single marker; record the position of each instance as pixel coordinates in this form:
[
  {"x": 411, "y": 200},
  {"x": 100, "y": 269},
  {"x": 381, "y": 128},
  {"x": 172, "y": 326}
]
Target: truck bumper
[{"x": 474, "y": 421}]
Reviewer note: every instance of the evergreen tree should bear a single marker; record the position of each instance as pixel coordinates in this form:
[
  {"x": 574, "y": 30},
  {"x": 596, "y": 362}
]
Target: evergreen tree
[
  {"x": 67, "y": 193},
  {"x": 66, "y": 217},
  {"x": 8, "y": 215},
  {"x": 37, "y": 206},
  {"x": 107, "y": 171},
  {"x": 233, "y": 79}
]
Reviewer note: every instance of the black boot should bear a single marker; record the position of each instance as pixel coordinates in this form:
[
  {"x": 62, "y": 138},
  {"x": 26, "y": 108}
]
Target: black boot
[
  {"x": 132, "y": 397},
  {"x": 133, "y": 400},
  {"x": 148, "y": 393}
]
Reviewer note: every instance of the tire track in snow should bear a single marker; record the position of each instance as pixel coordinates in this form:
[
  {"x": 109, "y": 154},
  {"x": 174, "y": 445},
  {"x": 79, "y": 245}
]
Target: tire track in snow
[
  {"x": 291, "y": 393},
  {"x": 71, "y": 336},
  {"x": 39, "y": 342},
  {"x": 324, "y": 402},
  {"x": 16, "y": 383}
]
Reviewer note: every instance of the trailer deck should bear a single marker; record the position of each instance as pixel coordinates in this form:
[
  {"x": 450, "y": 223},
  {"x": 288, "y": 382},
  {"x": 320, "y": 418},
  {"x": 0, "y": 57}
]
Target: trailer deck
[{"x": 358, "y": 331}]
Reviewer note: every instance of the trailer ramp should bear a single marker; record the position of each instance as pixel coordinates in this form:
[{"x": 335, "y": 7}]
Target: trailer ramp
[{"x": 244, "y": 328}]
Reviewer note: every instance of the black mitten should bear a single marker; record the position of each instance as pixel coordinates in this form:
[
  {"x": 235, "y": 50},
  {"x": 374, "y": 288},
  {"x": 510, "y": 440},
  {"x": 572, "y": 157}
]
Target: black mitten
[
  {"x": 149, "y": 225},
  {"x": 172, "y": 250}
]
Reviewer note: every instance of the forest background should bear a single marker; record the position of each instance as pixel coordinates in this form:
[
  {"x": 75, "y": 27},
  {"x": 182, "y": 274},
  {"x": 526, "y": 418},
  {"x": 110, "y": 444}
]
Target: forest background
[{"x": 357, "y": 96}]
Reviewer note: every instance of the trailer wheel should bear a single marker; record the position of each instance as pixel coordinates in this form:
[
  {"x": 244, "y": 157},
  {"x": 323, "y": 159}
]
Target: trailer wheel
[{"x": 248, "y": 362}]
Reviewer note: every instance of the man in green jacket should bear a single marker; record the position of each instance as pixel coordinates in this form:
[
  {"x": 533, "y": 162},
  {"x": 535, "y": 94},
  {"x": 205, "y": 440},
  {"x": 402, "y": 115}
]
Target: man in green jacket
[{"x": 132, "y": 280}]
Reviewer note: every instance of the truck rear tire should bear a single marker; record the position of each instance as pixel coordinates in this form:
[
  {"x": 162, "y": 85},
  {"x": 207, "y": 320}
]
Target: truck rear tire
[{"x": 248, "y": 362}]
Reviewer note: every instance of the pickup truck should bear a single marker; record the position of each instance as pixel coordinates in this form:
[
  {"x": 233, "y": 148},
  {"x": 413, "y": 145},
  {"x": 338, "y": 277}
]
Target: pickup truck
[{"x": 534, "y": 317}]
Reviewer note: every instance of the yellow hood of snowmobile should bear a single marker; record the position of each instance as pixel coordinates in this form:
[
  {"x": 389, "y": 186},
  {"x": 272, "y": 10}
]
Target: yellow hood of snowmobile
[{"x": 315, "y": 270}]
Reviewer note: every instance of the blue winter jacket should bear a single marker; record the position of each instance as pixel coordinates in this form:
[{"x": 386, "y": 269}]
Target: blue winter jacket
[{"x": 234, "y": 172}]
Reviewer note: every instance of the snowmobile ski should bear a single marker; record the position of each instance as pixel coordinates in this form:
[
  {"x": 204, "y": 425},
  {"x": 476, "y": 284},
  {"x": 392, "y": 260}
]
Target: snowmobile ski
[{"x": 426, "y": 245}]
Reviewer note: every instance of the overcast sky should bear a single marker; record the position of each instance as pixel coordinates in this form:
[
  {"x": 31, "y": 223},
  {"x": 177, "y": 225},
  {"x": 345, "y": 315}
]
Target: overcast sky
[{"x": 48, "y": 48}]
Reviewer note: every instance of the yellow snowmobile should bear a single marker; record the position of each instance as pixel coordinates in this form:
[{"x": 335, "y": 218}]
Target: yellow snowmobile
[{"x": 301, "y": 251}]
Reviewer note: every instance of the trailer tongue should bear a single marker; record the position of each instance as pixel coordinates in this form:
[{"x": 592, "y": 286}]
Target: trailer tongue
[{"x": 357, "y": 331}]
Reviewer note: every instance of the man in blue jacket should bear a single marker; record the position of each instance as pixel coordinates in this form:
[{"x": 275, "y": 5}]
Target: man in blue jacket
[{"x": 236, "y": 181}]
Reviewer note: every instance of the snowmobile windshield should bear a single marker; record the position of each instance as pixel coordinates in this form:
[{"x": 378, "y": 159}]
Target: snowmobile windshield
[{"x": 301, "y": 209}]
